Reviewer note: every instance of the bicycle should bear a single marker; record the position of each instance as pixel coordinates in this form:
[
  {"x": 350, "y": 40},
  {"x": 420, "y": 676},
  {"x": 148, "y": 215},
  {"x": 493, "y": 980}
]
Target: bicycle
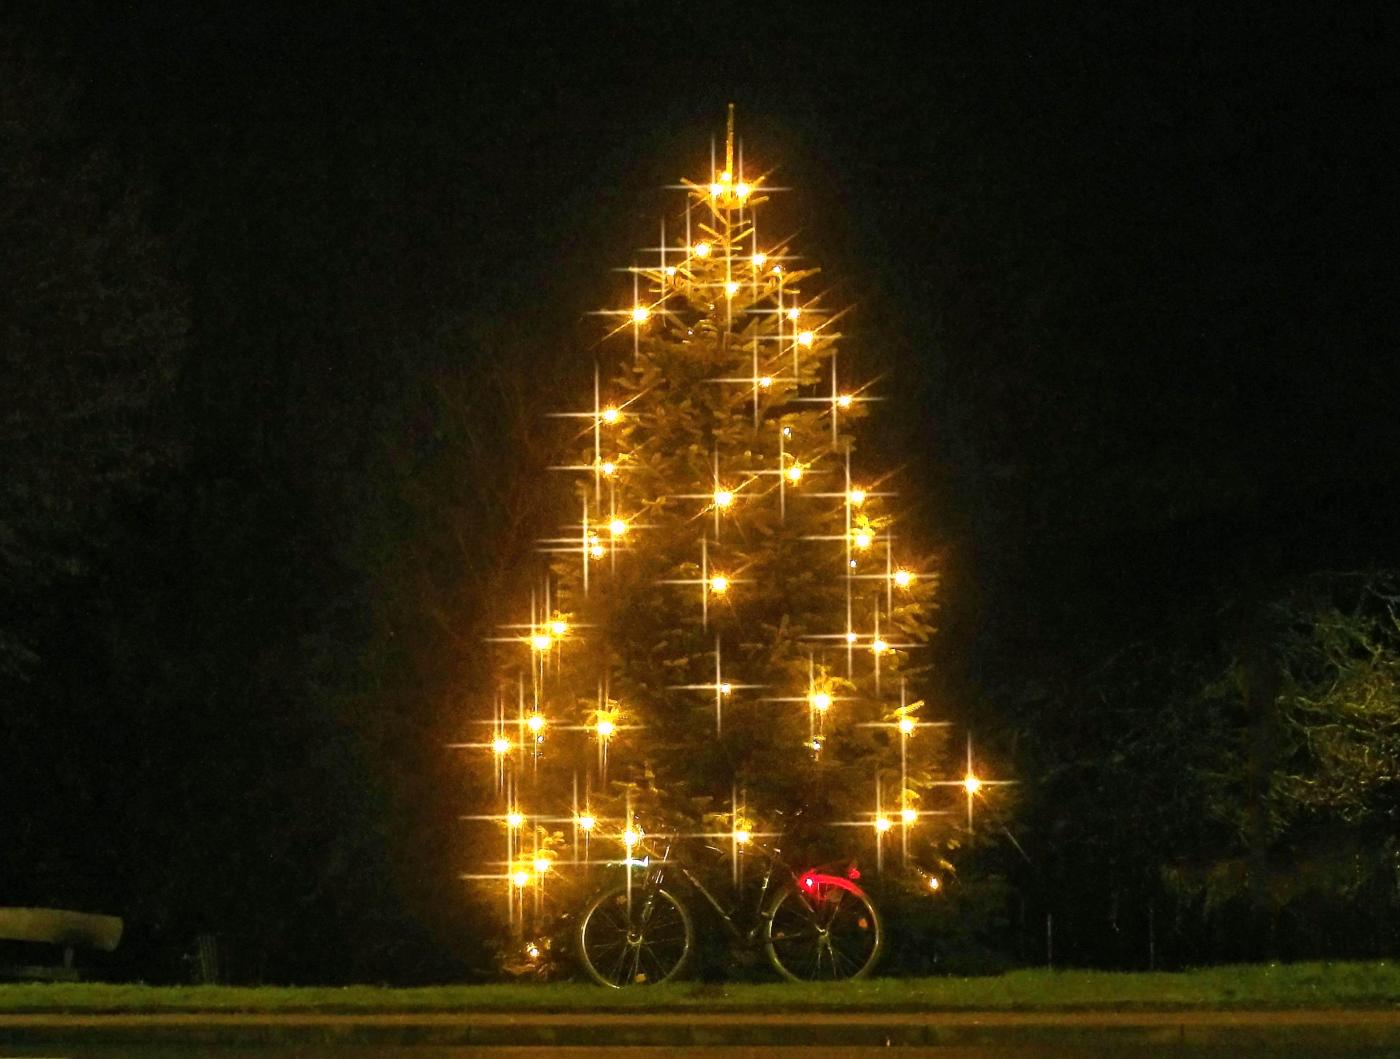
[{"x": 812, "y": 925}]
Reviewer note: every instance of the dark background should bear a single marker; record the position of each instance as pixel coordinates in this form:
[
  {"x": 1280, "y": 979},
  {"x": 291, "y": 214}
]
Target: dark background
[{"x": 1130, "y": 270}]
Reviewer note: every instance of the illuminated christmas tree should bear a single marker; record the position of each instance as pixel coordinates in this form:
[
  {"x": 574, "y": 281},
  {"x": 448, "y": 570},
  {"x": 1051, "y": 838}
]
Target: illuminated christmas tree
[{"x": 723, "y": 645}]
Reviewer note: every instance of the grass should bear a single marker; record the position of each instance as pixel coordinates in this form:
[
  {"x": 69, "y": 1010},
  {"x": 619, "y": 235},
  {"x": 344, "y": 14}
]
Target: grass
[{"x": 1276, "y": 986}]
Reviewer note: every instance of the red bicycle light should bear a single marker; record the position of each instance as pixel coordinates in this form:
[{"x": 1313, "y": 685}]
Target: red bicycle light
[{"x": 854, "y": 873}]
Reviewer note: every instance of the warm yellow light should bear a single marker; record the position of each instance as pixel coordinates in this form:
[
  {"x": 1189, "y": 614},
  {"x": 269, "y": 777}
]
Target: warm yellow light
[
  {"x": 726, "y": 177},
  {"x": 907, "y": 725},
  {"x": 794, "y": 313},
  {"x": 640, "y": 314},
  {"x": 806, "y": 338},
  {"x": 844, "y": 401},
  {"x": 608, "y": 468},
  {"x": 794, "y": 473},
  {"x": 515, "y": 819},
  {"x": 541, "y": 641},
  {"x": 719, "y": 584},
  {"x": 671, "y": 270},
  {"x": 521, "y": 878},
  {"x": 500, "y": 745},
  {"x": 631, "y": 837},
  {"x": 597, "y": 551},
  {"x": 777, "y": 270},
  {"x": 723, "y": 498},
  {"x": 742, "y": 190},
  {"x": 850, "y": 637},
  {"x": 883, "y": 824},
  {"x": 856, "y": 497},
  {"x": 816, "y": 744},
  {"x": 934, "y": 883},
  {"x": 535, "y": 722},
  {"x": 765, "y": 382},
  {"x": 909, "y": 815},
  {"x": 731, "y": 288},
  {"x": 726, "y": 688},
  {"x": 820, "y": 700},
  {"x": 605, "y": 727},
  {"x": 541, "y": 865},
  {"x": 610, "y": 415},
  {"x": 617, "y": 527},
  {"x": 879, "y": 647},
  {"x": 559, "y": 626},
  {"x": 716, "y": 189},
  {"x": 972, "y": 784},
  {"x": 586, "y": 822},
  {"x": 759, "y": 260},
  {"x": 903, "y": 578},
  {"x": 533, "y": 951},
  {"x": 742, "y": 837},
  {"x": 863, "y": 539},
  {"x": 787, "y": 432},
  {"x": 701, "y": 249}
]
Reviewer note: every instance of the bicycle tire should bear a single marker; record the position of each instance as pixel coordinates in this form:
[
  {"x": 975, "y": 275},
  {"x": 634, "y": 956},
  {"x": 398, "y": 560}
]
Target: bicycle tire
[
  {"x": 617, "y": 951},
  {"x": 800, "y": 925}
]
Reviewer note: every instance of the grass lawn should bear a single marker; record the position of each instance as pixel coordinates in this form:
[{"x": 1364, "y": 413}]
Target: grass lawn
[{"x": 1301, "y": 985}]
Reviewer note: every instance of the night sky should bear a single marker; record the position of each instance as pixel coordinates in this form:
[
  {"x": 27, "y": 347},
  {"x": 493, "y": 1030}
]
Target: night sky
[{"x": 1129, "y": 271}]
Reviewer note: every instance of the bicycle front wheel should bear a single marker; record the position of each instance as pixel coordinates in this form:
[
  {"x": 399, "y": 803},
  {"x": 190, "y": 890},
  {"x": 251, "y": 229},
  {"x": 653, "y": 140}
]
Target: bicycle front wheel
[
  {"x": 641, "y": 937},
  {"x": 828, "y": 932}
]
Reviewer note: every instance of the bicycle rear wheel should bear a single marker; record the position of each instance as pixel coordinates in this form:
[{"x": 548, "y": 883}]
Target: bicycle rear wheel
[
  {"x": 644, "y": 937},
  {"x": 829, "y": 931}
]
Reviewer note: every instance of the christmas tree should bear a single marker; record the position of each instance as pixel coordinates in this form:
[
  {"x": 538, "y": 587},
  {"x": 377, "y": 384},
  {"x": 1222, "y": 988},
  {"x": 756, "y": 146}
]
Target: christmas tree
[{"x": 723, "y": 646}]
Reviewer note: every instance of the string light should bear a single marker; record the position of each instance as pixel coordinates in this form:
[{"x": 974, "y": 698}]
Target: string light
[
  {"x": 535, "y": 722},
  {"x": 587, "y": 822},
  {"x": 640, "y": 314},
  {"x": 533, "y": 951},
  {"x": 610, "y": 414},
  {"x": 909, "y": 815},
  {"x": 971, "y": 784},
  {"x": 608, "y": 468},
  {"x": 863, "y": 539},
  {"x": 742, "y": 190},
  {"x": 856, "y": 497},
  {"x": 541, "y": 865},
  {"x": 794, "y": 312},
  {"x": 821, "y": 701},
  {"x": 719, "y": 584},
  {"x": 515, "y": 819},
  {"x": 617, "y": 528},
  {"x": 731, "y": 288},
  {"x": 879, "y": 646},
  {"x": 716, "y": 190},
  {"x": 903, "y": 578},
  {"x": 883, "y": 824},
  {"x": 723, "y": 498},
  {"x": 631, "y": 837},
  {"x": 541, "y": 641},
  {"x": 794, "y": 473},
  {"x": 742, "y": 837},
  {"x": 699, "y": 250},
  {"x": 907, "y": 725},
  {"x": 521, "y": 878},
  {"x": 844, "y": 400},
  {"x": 605, "y": 727},
  {"x": 806, "y": 338},
  {"x": 597, "y": 550},
  {"x": 760, "y": 259},
  {"x": 725, "y": 688},
  {"x": 559, "y": 627},
  {"x": 500, "y": 745},
  {"x": 765, "y": 382}
]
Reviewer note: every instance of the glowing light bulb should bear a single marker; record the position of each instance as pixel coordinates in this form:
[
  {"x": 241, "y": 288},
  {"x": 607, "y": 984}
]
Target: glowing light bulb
[
  {"x": 844, "y": 401},
  {"x": 806, "y": 338},
  {"x": 597, "y": 550},
  {"x": 907, "y": 725},
  {"x": 723, "y": 498},
  {"x": 759, "y": 260},
  {"x": 903, "y": 578},
  {"x": 972, "y": 784},
  {"x": 541, "y": 641},
  {"x": 726, "y": 177},
  {"x": 909, "y": 815},
  {"x": 719, "y": 584},
  {"x": 934, "y": 883},
  {"x": 617, "y": 528},
  {"x": 742, "y": 837},
  {"x": 541, "y": 865},
  {"x": 701, "y": 249},
  {"x": 787, "y": 432},
  {"x": 558, "y": 626},
  {"x": 610, "y": 415},
  {"x": 794, "y": 313},
  {"x": 631, "y": 837},
  {"x": 820, "y": 700},
  {"x": 742, "y": 190},
  {"x": 863, "y": 539},
  {"x": 641, "y": 314},
  {"x": 500, "y": 745},
  {"x": 671, "y": 270},
  {"x": 883, "y": 824},
  {"x": 731, "y": 288},
  {"x": 533, "y": 951},
  {"x": 794, "y": 473},
  {"x": 856, "y": 497},
  {"x": 535, "y": 722},
  {"x": 777, "y": 270},
  {"x": 605, "y": 727},
  {"x": 879, "y": 647},
  {"x": 726, "y": 688},
  {"x": 850, "y": 636},
  {"x": 716, "y": 190},
  {"x": 765, "y": 382},
  {"x": 587, "y": 822},
  {"x": 816, "y": 744},
  {"x": 521, "y": 878},
  {"x": 515, "y": 819},
  {"x": 608, "y": 468}
]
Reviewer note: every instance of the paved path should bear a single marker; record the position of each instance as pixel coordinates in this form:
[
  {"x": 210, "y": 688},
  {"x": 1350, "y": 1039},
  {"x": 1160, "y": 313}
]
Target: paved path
[{"x": 1319, "y": 1032}]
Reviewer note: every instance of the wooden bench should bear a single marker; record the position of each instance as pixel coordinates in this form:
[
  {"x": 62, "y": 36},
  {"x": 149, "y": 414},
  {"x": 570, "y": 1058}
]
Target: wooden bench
[{"x": 54, "y": 926}]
